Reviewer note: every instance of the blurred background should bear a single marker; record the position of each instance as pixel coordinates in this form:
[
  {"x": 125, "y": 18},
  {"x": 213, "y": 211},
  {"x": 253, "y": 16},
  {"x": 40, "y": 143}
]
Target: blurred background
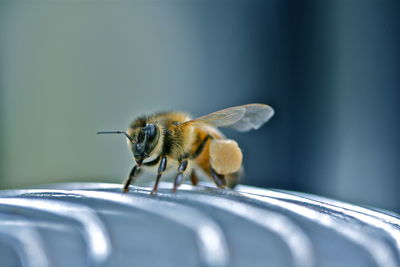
[{"x": 69, "y": 68}]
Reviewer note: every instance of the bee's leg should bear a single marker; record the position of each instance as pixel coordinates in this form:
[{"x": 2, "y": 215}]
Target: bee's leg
[
  {"x": 219, "y": 179},
  {"x": 200, "y": 148},
  {"x": 161, "y": 169},
  {"x": 193, "y": 178},
  {"x": 132, "y": 175},
  {"x": 179, "y": 177}
]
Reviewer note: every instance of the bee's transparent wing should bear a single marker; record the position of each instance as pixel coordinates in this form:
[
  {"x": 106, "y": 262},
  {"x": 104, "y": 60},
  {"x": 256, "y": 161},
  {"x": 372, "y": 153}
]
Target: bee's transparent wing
[{"x": 241, "y": 118}]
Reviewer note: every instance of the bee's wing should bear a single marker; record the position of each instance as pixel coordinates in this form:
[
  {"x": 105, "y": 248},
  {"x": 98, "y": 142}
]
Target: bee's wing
[{"x": 241, "y": 118}]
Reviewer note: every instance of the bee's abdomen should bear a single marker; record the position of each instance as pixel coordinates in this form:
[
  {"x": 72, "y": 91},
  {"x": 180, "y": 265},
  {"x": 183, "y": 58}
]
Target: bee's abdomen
[{"x": 233, "y": 172}]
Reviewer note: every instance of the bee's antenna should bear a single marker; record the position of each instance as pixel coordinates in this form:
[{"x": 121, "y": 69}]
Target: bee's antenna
[{"x": 117, "y": 132}]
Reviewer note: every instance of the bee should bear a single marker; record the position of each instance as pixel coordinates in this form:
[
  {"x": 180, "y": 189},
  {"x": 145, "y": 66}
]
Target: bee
[{"x": 173, "y": 140}]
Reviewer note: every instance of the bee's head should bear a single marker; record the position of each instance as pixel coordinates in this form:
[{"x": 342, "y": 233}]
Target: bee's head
[
  {"x": 145, "y": 142},
  {"x": 142, "y": 140}
]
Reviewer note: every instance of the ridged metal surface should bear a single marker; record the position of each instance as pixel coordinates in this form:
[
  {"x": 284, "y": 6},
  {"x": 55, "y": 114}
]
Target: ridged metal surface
[{"x": 90, "y": 224}]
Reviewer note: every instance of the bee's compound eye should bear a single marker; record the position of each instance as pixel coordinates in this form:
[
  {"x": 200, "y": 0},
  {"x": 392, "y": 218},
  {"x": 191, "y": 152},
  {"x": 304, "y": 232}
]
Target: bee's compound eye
[
  {"x": 151, "y": 132},
  {"x": 141, "y": 136},
  {"x": 138, "y": 150}
]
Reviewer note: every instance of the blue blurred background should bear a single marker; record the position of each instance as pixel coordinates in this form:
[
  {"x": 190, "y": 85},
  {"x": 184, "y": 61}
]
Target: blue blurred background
[{"x": 329, "y": 68}]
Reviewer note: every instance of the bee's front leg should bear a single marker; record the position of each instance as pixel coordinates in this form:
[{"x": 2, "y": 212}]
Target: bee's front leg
[
  {"x": 132, "y": 175},
  {"x": 180, "y": 177},
  {"x": 161, "y": 169}
]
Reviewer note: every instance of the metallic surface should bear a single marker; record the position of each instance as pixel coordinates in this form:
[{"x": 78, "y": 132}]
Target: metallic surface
[{"x": 92, "y": 224}]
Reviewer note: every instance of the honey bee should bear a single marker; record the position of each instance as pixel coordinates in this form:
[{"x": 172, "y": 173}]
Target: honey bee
[{"x": 173, "y": 140}]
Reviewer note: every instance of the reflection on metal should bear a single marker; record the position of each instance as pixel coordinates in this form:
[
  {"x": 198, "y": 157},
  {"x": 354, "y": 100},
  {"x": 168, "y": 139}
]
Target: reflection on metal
[
  {"x": 377, "y": 248},
  {"x": 93, "y": 230},
  {"x": 211, "y": 241},
  {"x": 197, "y": 226},
  {"x": 358, "y": 215},
  {"x": 20, "y": 235},
  {"x": 296, "y": 240}
]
